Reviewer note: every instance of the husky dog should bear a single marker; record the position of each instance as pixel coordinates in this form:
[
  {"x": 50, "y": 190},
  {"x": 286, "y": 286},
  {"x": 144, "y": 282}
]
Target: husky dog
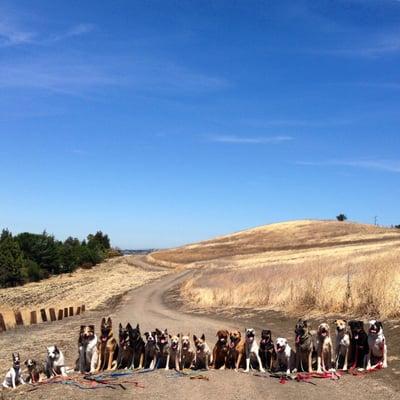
[
  {"x": 13, "y": 376},
  {"x": 252, "y": 349},
  {"x": 87, "y": 348},
  {"x": 55, "y": 364},
  {"x": 377, "y": 345}
]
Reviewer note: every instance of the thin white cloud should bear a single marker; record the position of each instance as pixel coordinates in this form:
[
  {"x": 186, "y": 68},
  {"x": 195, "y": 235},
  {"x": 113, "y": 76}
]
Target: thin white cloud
[
  {"x": 10, "y": 35},
  {"x": 76, "y": 30},
  {"x": 233, "y": 139},
  {"x": 382, "y": 165}
]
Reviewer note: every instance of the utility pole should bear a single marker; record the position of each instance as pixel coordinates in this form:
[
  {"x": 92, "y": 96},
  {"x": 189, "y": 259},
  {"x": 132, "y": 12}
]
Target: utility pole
[{"x": 376, "y": 220}]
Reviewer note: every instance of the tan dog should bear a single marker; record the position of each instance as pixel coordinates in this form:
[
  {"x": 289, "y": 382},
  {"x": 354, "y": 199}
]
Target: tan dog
[
  {"x": 324, "y": 348},
  {"x": 203, "y": 357},
  {"x": 237, "y": 349},
  {"x": 186, "y": 353},
  {"x": 220, "y": 351},
  {"x": 107, "y": 347},
  {"x": 173, "y": 353},
  {"x": 342, "y": 344}
]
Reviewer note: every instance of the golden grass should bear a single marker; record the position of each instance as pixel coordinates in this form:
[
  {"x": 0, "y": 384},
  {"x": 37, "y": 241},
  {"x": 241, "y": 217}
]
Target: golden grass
[
  {"x": 92, "y": 287},
  {"x": 300, "y": 266}
]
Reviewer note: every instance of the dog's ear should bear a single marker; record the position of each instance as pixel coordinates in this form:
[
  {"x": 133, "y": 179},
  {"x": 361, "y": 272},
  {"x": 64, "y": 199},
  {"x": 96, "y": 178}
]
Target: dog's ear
[
  {"x": 179, "y": 335},
  {"x": 137, "y": 326},
  {"x": 109, "y": 321},
  {"x": 305, "y": 322},
  {"x": 120, "y": 326},
  {"x": 194, "y": 337},
  {"x": 82, "y": 327},
  {"x": 91, "y": 327},
  {"x": 129, "y": 326},
  {"x": 203, "y": 337},
  {"x": 170, "y": 336},
  {"x": 158, "y": 331},
  {"x": 166, "y": 331},
  {"x": 379, "y": 323},
  {"x": 103, "y": 321}
]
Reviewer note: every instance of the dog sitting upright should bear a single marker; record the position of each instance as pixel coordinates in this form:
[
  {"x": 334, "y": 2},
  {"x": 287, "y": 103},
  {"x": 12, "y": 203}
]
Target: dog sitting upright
[
  {"x": 220, "y": 351},
  {"x": 107, "y": 347},
  {"x": 252, "y": 350},
  {"x": 35, "y": 371},
  {"x": 358, "y": 345},
  {"x": 324, "y": 348},
  {"x": 13, "y": 376},
  {"x": 284, "y": 355},
  {"x": 304, "y": 346},
  {"x": 87, "y": 349},
  {"x": 186, "y": 353},
  {"x": 150, "y": 350},
  {"x": 125, "y": 350},
  {"x": 267, "y": 349},
  {"x": 236, "y": 352},
  {"x": 173, "y": 353},
  {"x": 55, "y": 363},
  {"x": 342, "y": 344},
  {"x": 377, "y": 345},
  {"x": 163, "y": 348},
  {"x": 203, "y": 353},
  {"x": 137, "y": 344}
]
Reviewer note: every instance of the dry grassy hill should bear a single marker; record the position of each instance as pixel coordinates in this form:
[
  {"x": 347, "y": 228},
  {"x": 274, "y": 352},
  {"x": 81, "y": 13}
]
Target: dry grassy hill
[{"x": 301, "y": 266}]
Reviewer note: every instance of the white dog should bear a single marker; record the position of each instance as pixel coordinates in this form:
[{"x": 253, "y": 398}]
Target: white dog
[
  {"x": 252, "y": 349},
  {"x": 284, "y": 354},
  {"x": 377, "y": 345},
  {"x": 13, "y": 376},
  {"x": 87, "y": 347},
  {"x": 55, "y": 364}
]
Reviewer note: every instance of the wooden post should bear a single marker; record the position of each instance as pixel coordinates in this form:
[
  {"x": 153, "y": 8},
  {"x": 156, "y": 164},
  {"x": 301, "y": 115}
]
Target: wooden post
[
  {"x": 78, "y": 311},
  {"x": 71, "y": 311},
  {"x": 65, "y": 312},
  {"x": 52, "y": 312},
  {"x": 83, "y": 308},
  {"x": 60, "y": 314},
  {"x": 43, "y": 314},
  {"x": 18, "y": 318},
  {"x": 2, "y": 324},
  {"x": 33, "y": 318}
]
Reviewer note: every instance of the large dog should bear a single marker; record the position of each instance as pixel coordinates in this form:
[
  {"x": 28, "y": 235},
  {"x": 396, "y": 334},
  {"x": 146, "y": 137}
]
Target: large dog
[
  {"x": 284, "y": 355},
  {"x": 137, "y": 344},
  {"x": 267, "y": 349},
  {"x": 203, "y": 354},
  {"x": 304, "y": 346},
  {"x": 324, "y": 348},
  {"x": 150, "y": 350},
  {"x": 163, "y": 348},
  {"x": 358, "y": 345},
  {"x": 14, "y": 376},
  {"x": 186, "y": 353},
  {"x": 236, "y": 352},
  {"x": 220, "y": 351},
  {"x": 342, "y": 345},
  {"x": 107, "y": 347},
  {"x": 87, "y": 349},
  {"x": 173, "y": 353},
  {"x": 125, "y": 349},
  {"x": 377, "y": 345},
  {"x": 55, "y": 362},
  {"x": 36, "y": 371},
  {"x": 252, "y": 350}
]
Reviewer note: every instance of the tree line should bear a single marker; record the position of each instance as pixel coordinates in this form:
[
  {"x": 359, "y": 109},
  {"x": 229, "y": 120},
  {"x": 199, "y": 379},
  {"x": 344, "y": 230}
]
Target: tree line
[{"x": 30, "y": 257}]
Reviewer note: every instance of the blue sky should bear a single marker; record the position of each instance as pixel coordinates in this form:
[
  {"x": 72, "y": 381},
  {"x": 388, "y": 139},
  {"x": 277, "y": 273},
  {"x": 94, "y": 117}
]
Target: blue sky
[{"x": 166, "y": 122}]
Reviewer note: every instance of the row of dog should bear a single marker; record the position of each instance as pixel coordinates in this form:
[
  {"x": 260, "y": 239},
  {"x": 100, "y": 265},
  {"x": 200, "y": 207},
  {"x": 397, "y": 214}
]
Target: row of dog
[{"x": 354, "y": 348}]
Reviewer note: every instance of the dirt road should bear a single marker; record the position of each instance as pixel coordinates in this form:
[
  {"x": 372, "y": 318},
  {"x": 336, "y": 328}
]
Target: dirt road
[{"x": 154, "y": 305}]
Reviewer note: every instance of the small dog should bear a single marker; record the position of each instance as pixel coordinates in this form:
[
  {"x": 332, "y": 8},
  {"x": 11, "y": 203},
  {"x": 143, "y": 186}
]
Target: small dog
[
  {"x": 377, "y": 345},
  {"x": 137, "y": 344},
  {"x": 186, "y": 353},
  {"x": 324, "y": 348},
  {"x": 236, "y": 352},
  {"x": 150, "y": 350},
  {"x": 55, "y": 363},
  {"x": 342, "y": 344},
  {"x": 359, "y": 350},
  {"x": 173, "y": 353},
  {"x": 107, "y": 347},
  {"x": 267, "y": 349},
  {"x": 252, "y": 350},
  {"x": 35, "y": 371},
  {"x": 284, "y": 355},
  {"x": 304, "y": 346},
  {"x": 220, "y": 351},
  {"x": 87, "y": 349},
  {"x": 13, "y": 376},
  {"x": 125, "y": 353},
  {"x": 163, "y": 348},
  {"x": 203, "y": 353}
]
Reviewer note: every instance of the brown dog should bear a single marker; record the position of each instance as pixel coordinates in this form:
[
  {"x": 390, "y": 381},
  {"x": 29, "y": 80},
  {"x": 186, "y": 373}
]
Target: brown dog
[
  {"x": 324, "y": 348},
  {"x": 236, "y": 352},
  {"x": 220, "y": 351},
  {"x": 107, "y": 347}
]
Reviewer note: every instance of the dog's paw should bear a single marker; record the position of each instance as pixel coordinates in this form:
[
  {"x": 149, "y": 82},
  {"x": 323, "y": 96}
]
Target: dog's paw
[
  {"x": 384, "y": 365},
  {"x": 246, "y": 370}
]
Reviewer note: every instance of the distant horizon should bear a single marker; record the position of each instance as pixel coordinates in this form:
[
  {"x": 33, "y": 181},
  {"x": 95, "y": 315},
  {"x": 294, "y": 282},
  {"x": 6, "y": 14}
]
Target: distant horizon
[{"x": 164, "y": 122}]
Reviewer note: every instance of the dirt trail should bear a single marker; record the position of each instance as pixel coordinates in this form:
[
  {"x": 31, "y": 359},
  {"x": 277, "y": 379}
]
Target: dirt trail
[{"x": 153, "y": 306}]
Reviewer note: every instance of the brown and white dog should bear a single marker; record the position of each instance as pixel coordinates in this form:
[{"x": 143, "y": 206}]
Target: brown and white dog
[
  {"x": 186, "y": 353},
  {"x": 203, "y": 357},
  {"x": 342, "y": 344},
  {"x": 220, "y": 351},
  {"x": 107, "y": 347},
  {"x": 87, "y": 349},
  {"x": 377, "y": 345},
  {"x": 173, "y": 353},
  {"x": 324, "y": 348},
  {"x": 236, "y": 352}
]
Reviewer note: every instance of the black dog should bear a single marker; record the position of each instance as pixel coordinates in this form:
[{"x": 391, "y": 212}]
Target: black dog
[
  {"x": 267, "y": 349},
  {"x": 304, "y": 346},
  {"x": 125, "y": 353},
  {"x": 163, "y": 347},
  {"x": 137, "y": 344},
  {"x": 150, "y": 350},
  {"x": 358, "y": 345}
]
